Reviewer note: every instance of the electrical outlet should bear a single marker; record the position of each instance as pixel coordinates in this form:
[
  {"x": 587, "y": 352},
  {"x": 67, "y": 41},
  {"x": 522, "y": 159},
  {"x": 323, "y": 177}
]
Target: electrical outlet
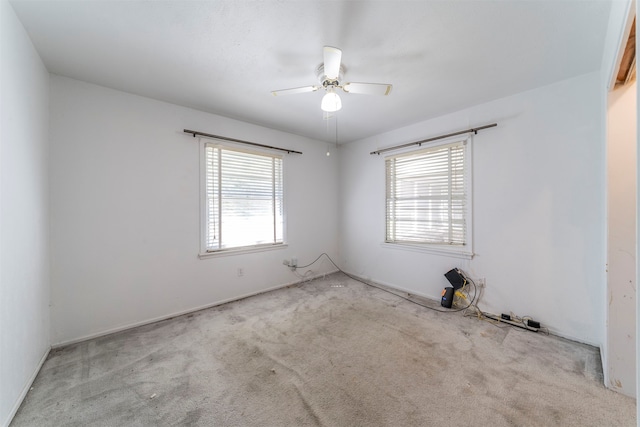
[
  {"x": 294, "y": 262},
  {"x": 482, "y": 282},
  {"x": 240, "y": 272}
]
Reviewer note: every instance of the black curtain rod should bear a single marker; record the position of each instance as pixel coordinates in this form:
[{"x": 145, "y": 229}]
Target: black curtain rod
[
  {"x": 208, "y": 135},
  {"x": 474, "y": 130}
]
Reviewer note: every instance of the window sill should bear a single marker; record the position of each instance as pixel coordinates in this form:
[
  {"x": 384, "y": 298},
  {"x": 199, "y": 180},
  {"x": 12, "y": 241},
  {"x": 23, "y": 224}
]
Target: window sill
[
  {"x": 240, "y": 251},
  {"x": 436, "y": 250}
]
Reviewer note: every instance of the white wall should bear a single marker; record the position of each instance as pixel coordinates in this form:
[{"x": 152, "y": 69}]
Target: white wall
[
  {"x": 621, "y": 245},
  {"x": 538, "y": 192},
  {"x": 125, "y": 211},
  {"x": 24, "y": 214}
]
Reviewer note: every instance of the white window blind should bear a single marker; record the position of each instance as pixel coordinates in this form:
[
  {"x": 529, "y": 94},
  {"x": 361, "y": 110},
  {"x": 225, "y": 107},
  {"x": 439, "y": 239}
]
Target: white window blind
[
  {"x": 426, "y": 196},
  {"x": 244, "y": 199}
]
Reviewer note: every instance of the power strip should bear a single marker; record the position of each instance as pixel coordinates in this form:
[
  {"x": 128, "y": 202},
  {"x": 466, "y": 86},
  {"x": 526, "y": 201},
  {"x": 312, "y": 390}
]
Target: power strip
[{"x": 527, "y": 327}]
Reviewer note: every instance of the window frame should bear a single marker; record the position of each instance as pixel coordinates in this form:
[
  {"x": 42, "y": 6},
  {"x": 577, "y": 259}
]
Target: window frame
[
  {"x": 204, "y": 252},
  {"x": 458, "y": 251}
]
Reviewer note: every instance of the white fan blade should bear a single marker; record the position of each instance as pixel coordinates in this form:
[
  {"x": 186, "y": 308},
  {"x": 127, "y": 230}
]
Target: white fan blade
[
  {"x": 332, "y": 59},
  {"x": 368, "y": 88},
  {"x": 295, "y": 90}
]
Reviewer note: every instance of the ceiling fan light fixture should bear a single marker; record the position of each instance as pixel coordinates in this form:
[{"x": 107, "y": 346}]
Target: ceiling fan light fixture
[{"x": 331, "y": 102}]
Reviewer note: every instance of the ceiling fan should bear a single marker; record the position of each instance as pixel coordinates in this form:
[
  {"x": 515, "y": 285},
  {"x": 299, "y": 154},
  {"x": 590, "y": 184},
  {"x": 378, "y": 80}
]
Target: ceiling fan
[{"x": 330, "y": 74}]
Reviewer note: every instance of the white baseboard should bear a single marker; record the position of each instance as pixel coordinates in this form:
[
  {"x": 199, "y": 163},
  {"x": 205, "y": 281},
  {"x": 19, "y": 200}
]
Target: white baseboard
[
  {"x": 26, "y": 389},
  {"x": 552, "y": 330},
  {"x": 395, "y": 287},
  {"x": 603, "y": 364},
  {"x": 182, "y": 312}
]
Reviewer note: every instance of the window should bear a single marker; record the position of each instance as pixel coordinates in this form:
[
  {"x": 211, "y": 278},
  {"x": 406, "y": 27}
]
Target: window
[
  {"x": 427, "y": 200},
  {"x": 243, "y": 201}
]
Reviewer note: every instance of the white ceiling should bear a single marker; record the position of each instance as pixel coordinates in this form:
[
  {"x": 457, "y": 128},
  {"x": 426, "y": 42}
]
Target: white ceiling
[{"x": 225, "y": 57}]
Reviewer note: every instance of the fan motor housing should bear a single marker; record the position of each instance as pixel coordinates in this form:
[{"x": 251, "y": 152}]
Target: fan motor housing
[{"x": 329, "y": 82}]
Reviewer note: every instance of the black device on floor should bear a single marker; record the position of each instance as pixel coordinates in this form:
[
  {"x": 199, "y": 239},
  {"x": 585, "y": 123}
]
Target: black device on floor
[{"x": 447, "y": 297}]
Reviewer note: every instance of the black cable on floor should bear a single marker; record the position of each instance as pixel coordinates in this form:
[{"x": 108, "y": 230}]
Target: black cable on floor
[{"x": 390, "y": 292}]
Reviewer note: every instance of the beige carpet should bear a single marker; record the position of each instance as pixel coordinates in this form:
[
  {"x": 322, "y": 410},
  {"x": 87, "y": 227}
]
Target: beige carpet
[{"x": 330, "y": 352}]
